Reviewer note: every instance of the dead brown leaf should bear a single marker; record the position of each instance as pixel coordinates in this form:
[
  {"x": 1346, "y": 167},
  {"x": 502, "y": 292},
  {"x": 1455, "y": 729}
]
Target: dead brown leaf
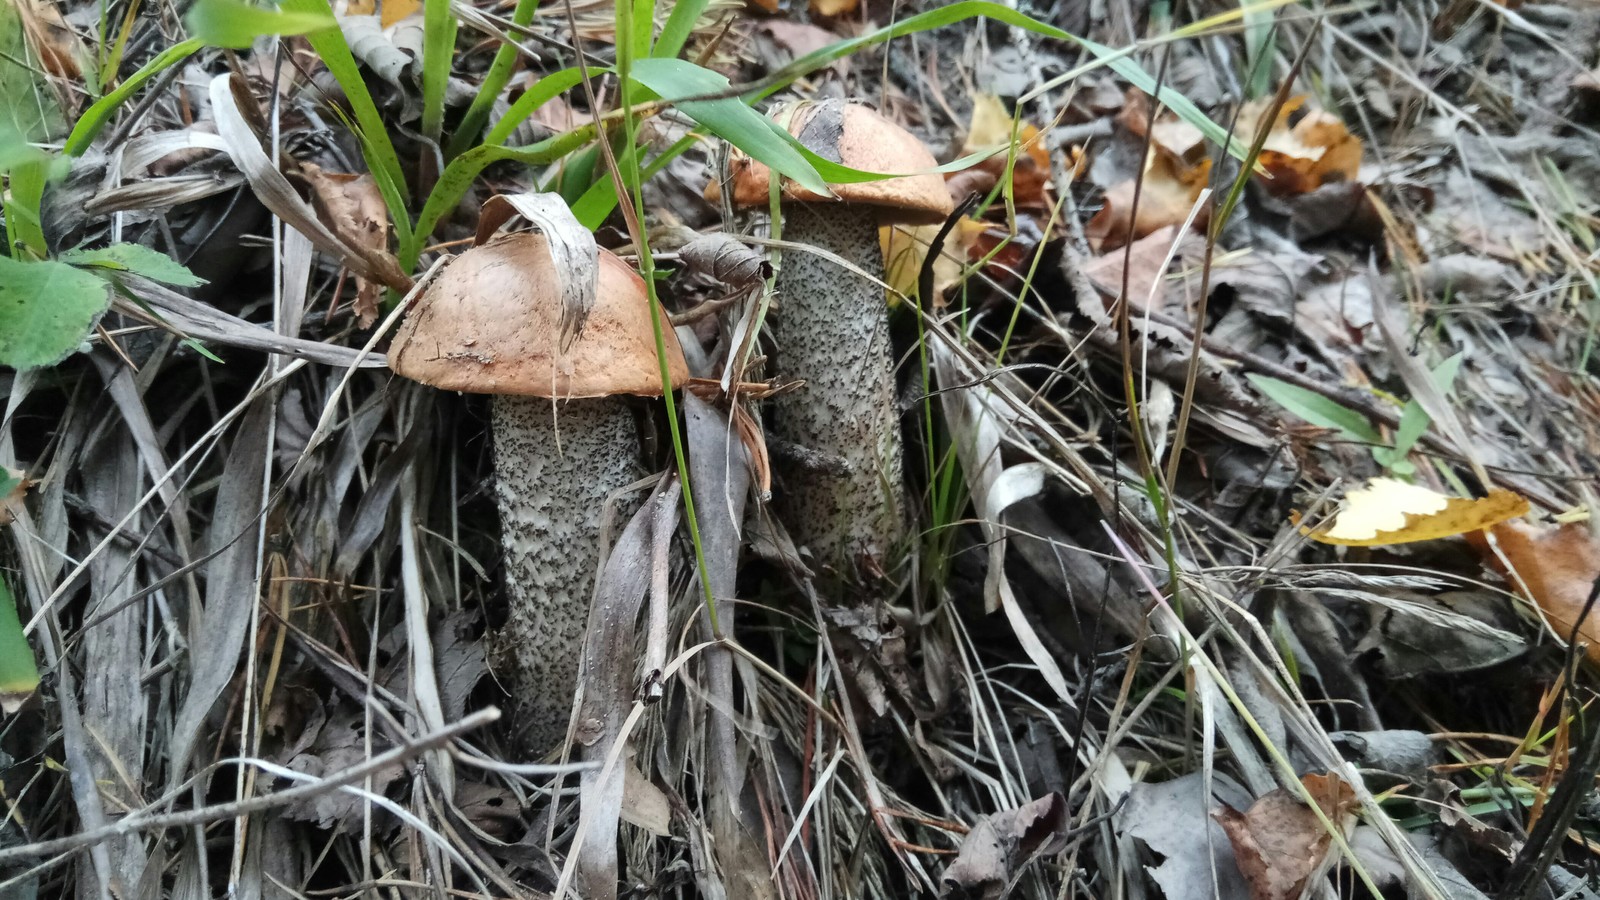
[
  {"x": 1302, "y": 157},
  {"x": 1171, "y": 187},
  {"x": 352, "y": 207},
  {"x": 1557, "y": 567},
  {"x": 1279, "y": 842},
  {"x": 991, "y": 126},
  {"x": 1144, "y": 262},
  {"x": 1000, "y": 844}
]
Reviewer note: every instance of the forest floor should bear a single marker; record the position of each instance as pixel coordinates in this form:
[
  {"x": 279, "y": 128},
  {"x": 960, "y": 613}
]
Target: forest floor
[{"x": 1234, "y": 536}]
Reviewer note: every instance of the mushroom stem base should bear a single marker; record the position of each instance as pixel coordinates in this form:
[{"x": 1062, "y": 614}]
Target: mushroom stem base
[
  {"x": 551, "y": 509},
  {"x": 832, "y": 330}
]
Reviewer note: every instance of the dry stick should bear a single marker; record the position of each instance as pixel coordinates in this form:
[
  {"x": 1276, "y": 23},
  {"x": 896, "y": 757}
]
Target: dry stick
[{"x": 220, "y": 811}]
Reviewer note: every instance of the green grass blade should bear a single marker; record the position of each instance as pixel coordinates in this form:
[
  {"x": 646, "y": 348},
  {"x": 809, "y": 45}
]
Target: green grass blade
[
  {"x": 458, "y": 176},
  {"x": 236, "y": 24},
  {"x": 22, "y": 203},
  {"x": 99, "y": 113},
  {"x": 728, "y": 118},
  {"x": 643, "y": 27},
  {"x": 680, "y": 24},
  {"x": 438, "y": 46},
  {"x": 335, "y": 53},
  {"x": 1317, "y": 409},
  {"x": 1117, "y": 60},
  {"x": 494, "y": 81},
  {"x": 19, "y": 673},
  {"x": 534, "y": 97}
]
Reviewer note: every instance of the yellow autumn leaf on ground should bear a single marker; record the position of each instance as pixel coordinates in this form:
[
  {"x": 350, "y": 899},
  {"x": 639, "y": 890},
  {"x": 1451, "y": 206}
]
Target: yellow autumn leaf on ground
[
  {"x": 1314, "y": 151},
  {"x": 393, "y": 10},
  {"x": 1390, "y": 511},
  {"x": 905, "y": 247},
  {"x": 991, "y": 126}
]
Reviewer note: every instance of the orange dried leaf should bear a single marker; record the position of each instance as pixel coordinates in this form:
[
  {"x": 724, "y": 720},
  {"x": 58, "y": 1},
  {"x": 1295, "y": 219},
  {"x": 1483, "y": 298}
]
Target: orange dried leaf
[
  {"x": 991, "y": 126},
  {"x": 1388, "y": 511},
  {"x": 1316, "y": 150},
  {"x": 1558, "y": 567},
  {"x": 1279, "y": 842},
  {"x": 830, "y": 8}
]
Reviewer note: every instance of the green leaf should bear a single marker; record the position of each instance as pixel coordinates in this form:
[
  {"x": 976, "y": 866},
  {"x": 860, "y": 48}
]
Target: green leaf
[
  {"x": 1414, "y": 420},
  {"x": 97, "y": 115},
  {"x": 680, "y": 24},
  {"x": 729, "y": 118},
  {"x": 237, "y": 24},
  {"x": 1317, "y": 409},
  {"x": 46, "y": 310},
  {"x": 22, "y": 204},
  {"x": 26, "y": 108},
  {"x": 438, "y": 46},
  {"x": 494, "y": 81},
  {"x": 135, "y": 258},
  {"x": 19, "y": 673}
]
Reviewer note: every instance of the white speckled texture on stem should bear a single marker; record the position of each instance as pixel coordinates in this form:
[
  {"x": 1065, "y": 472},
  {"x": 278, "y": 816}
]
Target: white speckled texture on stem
[
  {"x": 551, "y": 507},
  {"x": 832, "y": 330}
]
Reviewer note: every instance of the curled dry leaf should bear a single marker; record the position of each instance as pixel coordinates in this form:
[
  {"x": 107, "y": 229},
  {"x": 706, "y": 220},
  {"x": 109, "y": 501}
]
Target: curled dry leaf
[
  {"x": 1001, "y": 844},
  {"x": 1390, "y": 511},
  {"x": 1556, "y": 568},
  {"x": 352, "y": 208},
  {"x": 1279, "y": 842},
  {"x": 1315, "y": 150},
  {"x": 1171, "y": 187},
  {"x": 727, "y": 260}
]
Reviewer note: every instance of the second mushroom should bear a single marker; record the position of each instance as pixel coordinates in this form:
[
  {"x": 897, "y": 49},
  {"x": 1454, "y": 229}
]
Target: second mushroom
[{"x": 832, "y": 329}]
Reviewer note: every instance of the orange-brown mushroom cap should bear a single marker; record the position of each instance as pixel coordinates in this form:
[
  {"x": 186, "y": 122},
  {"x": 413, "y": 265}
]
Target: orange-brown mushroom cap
[
  {"x": 861, "y": 138},
  {"x": 490, "y": 324}
]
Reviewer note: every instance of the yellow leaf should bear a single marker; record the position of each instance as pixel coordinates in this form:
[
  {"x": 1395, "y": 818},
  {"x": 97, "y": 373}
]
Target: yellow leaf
[{"x": 1388, "y": 511}]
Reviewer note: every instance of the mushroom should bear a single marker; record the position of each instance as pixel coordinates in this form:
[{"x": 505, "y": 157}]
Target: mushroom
[
  {"x": 831, "y": 327},
  {"x": 489, "y": 325}
]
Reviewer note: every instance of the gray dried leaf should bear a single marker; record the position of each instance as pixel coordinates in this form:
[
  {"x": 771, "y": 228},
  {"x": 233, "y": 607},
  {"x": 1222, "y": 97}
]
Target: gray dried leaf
[
  {"x": 999, "y": 845},
  {"x": 727, "y": 260},
  {"x": 459, "y": 658},
  {"x": 1173, "y": 819}
]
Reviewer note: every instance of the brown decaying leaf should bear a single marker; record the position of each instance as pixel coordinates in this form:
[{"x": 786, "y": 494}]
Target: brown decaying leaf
[
  {"x": 1144, "y": 265},
  {"x": 1314, "y": 151},
  {"x": 1279, "y": 842},
  {"x": 991, "y": 126},
  {"x": 353, "y": 208},
  {"x": 1171, "y": 187},
  {"x": 1557, "y": 567}
]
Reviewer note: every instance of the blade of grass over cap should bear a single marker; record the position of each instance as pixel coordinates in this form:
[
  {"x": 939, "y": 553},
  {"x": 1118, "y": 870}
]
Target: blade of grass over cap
[
  {"x": 728, "y": 118},
  {"x": 236, "y": 24}
]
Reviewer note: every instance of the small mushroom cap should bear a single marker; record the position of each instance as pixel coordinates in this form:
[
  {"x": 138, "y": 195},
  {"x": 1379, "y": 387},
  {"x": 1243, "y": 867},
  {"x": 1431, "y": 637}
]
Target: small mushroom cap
[
  {"x": 861, "y": 138},
  {"x": 490, "y": 324}
]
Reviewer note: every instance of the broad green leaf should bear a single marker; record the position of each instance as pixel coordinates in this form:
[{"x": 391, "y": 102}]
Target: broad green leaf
[
  {"x": 729, "y": 118},
  {"x": 97, "y": 115},
  {"x": 46, "y": 310},
  {"x": 1317, "y": 409},
  {"x": 237, "y": 24},
  {"x": 135, "y": 258},
  {"x": 19, "y": 673}
]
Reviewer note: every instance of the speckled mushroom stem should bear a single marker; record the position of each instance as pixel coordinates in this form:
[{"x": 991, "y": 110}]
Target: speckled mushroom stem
[
  {"x": 551, "y": 507},
  {"x": 832, "y": 330}
]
